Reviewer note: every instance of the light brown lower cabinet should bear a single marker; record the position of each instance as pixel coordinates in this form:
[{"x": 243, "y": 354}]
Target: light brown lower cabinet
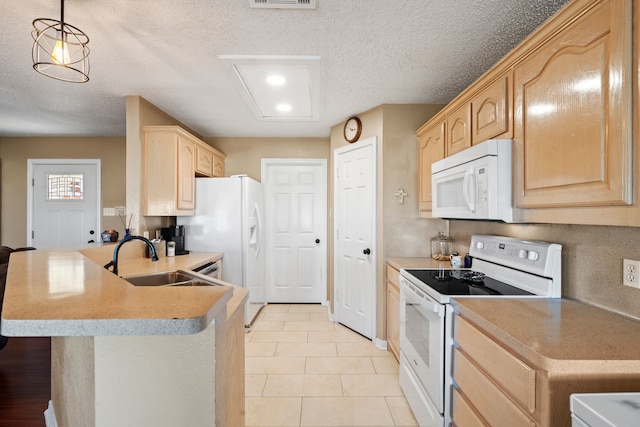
[
  {"x": 493, "y": 386},
  {"x": 393, "y": 311}
]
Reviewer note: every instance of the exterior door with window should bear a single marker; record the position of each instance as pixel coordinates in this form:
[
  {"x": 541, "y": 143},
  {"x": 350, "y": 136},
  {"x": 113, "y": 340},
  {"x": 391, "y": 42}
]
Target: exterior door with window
[{"x": 65, "y": 203}]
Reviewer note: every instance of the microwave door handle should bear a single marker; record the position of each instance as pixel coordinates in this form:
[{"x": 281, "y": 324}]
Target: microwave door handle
[{"x": 469, "y": 176}]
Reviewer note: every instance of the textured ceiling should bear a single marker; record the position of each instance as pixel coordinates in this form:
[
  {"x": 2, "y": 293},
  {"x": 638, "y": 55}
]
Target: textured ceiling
[{"x": 372, "y": 52}]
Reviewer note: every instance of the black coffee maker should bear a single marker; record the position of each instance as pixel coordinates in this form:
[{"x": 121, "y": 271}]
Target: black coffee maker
[{"x": 175, "y": 234}]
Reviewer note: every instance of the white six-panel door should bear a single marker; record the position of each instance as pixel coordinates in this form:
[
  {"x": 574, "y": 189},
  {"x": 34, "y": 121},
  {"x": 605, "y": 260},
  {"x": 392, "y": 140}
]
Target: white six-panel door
[
  {"x": 296, "y": 209},
  {"x": 355, "y": 207},
  {"x": 64, "y": 203}
]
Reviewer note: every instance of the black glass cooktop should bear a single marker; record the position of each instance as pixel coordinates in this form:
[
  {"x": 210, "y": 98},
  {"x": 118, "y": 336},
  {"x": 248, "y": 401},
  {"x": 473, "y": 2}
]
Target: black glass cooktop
[{"x": 464, "y": 282}]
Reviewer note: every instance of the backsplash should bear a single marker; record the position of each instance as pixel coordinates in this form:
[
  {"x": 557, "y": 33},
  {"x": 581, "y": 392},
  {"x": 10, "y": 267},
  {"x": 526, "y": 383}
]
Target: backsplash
[{"x": 591, "y": 258}]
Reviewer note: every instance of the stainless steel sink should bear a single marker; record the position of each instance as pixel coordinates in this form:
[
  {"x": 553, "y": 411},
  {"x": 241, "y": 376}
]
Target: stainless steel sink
[{"x": 169, "y": 278}]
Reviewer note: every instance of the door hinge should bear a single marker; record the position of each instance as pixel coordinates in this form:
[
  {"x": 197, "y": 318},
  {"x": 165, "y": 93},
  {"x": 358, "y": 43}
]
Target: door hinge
[
  {"x": 33, "y": 234},
  {"x": 33, "y": 182}
]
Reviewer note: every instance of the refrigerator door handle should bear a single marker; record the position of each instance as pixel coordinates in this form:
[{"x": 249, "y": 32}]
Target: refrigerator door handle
[{"x": 255, "y": 229}]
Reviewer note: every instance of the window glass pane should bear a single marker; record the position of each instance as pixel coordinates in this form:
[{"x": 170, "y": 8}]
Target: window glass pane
[{"x": 65, "y": 186}]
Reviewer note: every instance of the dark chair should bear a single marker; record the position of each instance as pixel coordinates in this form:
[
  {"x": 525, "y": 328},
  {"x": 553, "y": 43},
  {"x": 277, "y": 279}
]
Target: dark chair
[{"x": 5, "y": 254}]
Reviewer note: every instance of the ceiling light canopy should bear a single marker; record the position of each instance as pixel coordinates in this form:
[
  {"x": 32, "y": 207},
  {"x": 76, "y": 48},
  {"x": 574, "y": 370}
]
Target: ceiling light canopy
[
  {"x": 60, "y": 50},
  {"x": 278, "y": 87}
]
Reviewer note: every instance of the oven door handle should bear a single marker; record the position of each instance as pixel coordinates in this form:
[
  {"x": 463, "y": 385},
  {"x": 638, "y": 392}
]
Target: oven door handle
[{"x": 434, "y": 307}]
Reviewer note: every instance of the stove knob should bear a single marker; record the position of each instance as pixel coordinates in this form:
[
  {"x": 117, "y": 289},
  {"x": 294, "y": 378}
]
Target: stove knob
[
  {"x": 522, "y": 253},
  {"x": 533, "y": 256},
  {"x": 479, "y": 245}
]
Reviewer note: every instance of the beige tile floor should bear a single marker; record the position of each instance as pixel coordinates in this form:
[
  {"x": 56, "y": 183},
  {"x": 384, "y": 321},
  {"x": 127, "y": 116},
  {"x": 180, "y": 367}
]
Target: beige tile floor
[{"x": 304, "y": 370}]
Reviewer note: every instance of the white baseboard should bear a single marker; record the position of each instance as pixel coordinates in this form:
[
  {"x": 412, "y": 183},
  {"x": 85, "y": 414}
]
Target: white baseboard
[
  {"x": 381, "y": 344},
  {"x": 50, "y": 416}
]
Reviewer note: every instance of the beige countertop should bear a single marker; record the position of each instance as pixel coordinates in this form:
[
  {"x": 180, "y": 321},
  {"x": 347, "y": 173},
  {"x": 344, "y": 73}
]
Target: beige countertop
[
  {"x": 69, "y": 293},
  {"x": 559, "y": 335},
  {"x": 417, "y": 262}
]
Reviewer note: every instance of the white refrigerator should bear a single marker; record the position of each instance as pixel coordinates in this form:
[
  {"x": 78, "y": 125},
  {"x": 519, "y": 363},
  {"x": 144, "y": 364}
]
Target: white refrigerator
[{"x": 228, "y": 218}]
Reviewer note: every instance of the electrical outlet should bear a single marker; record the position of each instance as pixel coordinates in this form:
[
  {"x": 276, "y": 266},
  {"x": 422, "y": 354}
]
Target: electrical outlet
[
  {"x": 631, "y": 273},
  {"x": 108, "y": 212}
]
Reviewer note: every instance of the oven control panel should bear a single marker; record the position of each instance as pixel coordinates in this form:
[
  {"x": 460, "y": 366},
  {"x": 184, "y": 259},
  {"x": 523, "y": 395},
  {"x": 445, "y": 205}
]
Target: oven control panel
[{"x": 542, "y": 258}]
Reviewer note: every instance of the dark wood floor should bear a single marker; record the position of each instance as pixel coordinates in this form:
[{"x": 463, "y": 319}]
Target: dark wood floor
[{"x": 25, "y": 382}]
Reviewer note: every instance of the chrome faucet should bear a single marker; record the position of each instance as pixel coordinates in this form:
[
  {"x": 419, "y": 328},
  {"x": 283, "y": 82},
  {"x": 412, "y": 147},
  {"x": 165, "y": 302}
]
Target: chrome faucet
[{"x": 114, "y": 262}]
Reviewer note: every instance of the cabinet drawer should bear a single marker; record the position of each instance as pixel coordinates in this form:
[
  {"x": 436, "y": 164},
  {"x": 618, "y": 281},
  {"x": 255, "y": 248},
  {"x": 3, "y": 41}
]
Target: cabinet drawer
[
  {"x": 504, "y": 368},
  {"x": 488, "y": 400},
  {"x": 392, "y": 276},
  {"x": 463, "y": 413}
]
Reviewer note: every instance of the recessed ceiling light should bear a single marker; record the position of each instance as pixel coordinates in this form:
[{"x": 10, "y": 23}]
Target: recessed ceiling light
[
  {"x": 283, "y": 107},
  {"x": 276, "y": 80}
]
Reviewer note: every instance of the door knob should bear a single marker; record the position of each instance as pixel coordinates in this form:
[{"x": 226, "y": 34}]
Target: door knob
[
  {"x": 91, "y": 241},
  {"x": 366, "y": 251},
  {"x": 317, "y": 241}
]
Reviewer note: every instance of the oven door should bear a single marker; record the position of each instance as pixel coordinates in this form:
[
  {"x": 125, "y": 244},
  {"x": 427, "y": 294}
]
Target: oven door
[{"x": 422, "y": 340}]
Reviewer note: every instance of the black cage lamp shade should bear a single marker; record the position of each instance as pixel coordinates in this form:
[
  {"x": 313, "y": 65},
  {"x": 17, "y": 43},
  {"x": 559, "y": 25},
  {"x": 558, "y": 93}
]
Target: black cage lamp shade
[{"x": 60, "y": 50}]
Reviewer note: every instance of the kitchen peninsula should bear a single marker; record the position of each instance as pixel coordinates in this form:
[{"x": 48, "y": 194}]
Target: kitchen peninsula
[{"x": 124, "y": 354}]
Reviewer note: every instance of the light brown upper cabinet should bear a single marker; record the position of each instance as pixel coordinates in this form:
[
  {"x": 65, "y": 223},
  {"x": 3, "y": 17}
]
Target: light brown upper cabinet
[
  {"x": 431, "y": 149},
  {"x": 459, "y": 129},
  {"x": 490, "y": 110},
  {"x": 573, "y": 113},
  {"x": 209, "y": 161},
  {"x": 169, "y": 171}
]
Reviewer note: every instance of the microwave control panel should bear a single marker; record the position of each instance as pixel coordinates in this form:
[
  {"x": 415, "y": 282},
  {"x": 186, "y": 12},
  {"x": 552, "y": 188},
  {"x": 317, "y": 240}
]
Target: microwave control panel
[{"x": 482, "y": 188}]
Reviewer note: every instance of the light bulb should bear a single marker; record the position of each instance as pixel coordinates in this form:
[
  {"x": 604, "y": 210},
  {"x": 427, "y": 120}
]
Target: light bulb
[
  {"x": 276, "y": 80},
  {"x": 61, "y": 52}
]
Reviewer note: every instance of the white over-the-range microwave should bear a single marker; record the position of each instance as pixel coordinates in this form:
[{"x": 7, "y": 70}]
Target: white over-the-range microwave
[{"x": 475, "y": 183}]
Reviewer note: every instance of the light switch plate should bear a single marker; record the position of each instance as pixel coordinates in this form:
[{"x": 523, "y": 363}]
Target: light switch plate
[
  {"x": 631, "y": 273},
  {"x": 108, "y": 212}
]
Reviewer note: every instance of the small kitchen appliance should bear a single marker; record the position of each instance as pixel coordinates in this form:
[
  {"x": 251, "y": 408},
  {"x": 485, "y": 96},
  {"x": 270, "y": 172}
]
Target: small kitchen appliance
[
  {"x": 176, "y": 235},
  {"x": 475, "y": 183},
  {"x": 503, "y": 267}
]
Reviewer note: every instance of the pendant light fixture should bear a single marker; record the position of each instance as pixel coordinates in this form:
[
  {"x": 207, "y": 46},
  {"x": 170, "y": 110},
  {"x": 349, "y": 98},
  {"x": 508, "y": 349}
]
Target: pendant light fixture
[{"x": 60, "y": 50}]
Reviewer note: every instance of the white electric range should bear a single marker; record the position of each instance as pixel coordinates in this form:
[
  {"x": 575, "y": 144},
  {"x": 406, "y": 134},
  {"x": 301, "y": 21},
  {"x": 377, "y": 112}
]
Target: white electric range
[{"x": 502, "y": 267}]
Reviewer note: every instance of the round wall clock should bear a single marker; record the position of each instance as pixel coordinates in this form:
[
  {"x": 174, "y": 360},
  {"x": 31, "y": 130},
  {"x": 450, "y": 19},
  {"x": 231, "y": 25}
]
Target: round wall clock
[{"x": 352, "y": 129}]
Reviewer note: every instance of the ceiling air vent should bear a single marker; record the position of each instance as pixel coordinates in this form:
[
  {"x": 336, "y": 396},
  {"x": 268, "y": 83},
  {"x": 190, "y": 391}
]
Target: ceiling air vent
[{"x": 283, "y": 4}]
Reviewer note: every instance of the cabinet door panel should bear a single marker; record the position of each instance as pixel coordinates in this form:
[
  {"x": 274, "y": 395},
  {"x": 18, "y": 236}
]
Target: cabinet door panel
[
  {"x": 463, "y": 413},
  {"x": 218, "y": 166},
  {"x": 186, "y": 174},
  {"x": 393, "y": 320},
  {"x": 459, "y": 130},
  {"x": 489, "y": 111},
  {"x": 487, "y": 399},
  {"x": 504, "y": 368},
  {"x": 431, "y": 150},
  {"x": 573, "y": 114},
  {"x": 204, "y": 161}
]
